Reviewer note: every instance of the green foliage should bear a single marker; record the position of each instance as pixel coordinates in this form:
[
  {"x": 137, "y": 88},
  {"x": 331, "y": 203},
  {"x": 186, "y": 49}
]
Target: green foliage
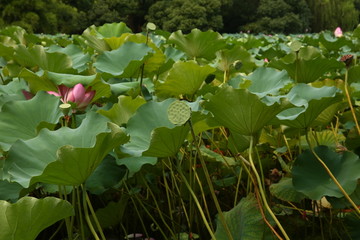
[
  {"x": 244, "y": 221},
  {"x": 37, "y": 213},
  {"x": 47, "y": 16},
  {"x": 195, "y": 135},
  {"x": 280, "y": 16},
  {"x": 329, "y": 14},
  {"x": 186, "y": 15}
]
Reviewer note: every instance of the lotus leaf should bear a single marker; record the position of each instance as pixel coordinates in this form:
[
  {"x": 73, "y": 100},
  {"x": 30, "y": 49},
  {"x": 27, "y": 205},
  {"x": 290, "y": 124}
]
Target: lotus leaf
[
  {"x": 124, "y": 61},
  {"x": 20, "y": 119},
  {"x": 241, "y": 111},
  {"x": 198, "y": 44},
  {"x": 183, "y": 78},
  {"x": 65, "y": 156},
  {"x": 310, "y": 177},
  {"x": 36, "y": 215},
  {"x": 244, "y": 221}
]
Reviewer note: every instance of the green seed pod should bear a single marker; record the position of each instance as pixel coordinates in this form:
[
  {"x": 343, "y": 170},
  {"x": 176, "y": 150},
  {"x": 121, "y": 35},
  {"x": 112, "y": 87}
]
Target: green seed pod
[
  {"x": 65, "y": 108},
  {"x": 151, "y": 26},
  {"x": 179, "y": 112}
]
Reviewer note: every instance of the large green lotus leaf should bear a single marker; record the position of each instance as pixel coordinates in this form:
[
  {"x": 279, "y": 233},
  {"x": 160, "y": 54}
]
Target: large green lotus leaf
[
  {"x": 155, "y": 61},
  {"x": 121, "y": 112},
  {"x": 227, "y": 57},
  {"x": 95, "y": 40},
  {"x": 36, "y": 82},
  {"x": 166, "y": 142},
  {"x": 285, "y": 191},
  {"x": 327, "y": 115},
  {"x": 354, "y": 74},
  {"x": 124, "y": 61},
  {"x": 310, "y": 102},
  {"x": 123, "y": 87},
  {"x": 6, "y": 52},
  {"x": 65, "y": 156},
  {"x": 79, "y": 59},
  {"x": 309, "y": 66},
  {"x": 12, "y": 91},
  {"x": 244, "y": 221},
  {"x": 9, "y": 191},
  {"x": 241, "y": 111},
  {"x": 113, "y": 213},
  {"x": 29, "y": 216},
  {"x": 198, "y": 44},
  {"x": 75, "y": 165},
  {"x": 310, "y": 177},
  {"x": 338, "y": 203},
  {"x": 183, "y": 78},
  {"x": 134, "y": 164},
  {"x": 20, "y": 119},
  {"x": 325, "y": 137},
  {"x": 238, "y": 142},
  {"x": 37, "y": 56},
  {"x": 16, "y": 33},
  {"x": 266, "y": 81},
  {"x": 113, "y": 29},
  {"x": 106, "y": 176},
  {"x": 142, "y": 125},
  {"x": 332, "y": 43},
  {"x": 95, "y": 36}
]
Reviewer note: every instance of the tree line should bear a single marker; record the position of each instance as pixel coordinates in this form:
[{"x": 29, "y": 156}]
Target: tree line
[{"x": 225, "y": 16}]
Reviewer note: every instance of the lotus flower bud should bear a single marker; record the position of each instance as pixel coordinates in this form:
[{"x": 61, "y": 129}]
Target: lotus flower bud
[{"x": 338, "y": 32}]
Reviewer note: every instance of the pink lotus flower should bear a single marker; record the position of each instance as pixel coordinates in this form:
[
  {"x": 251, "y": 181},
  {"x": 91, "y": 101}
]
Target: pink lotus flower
[
  {"x": 78, "y": 95},
  {"x": 338, "y": 32}
]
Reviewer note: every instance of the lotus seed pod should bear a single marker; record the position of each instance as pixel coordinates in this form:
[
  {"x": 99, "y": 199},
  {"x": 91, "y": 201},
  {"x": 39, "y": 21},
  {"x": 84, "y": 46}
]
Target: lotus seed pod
[
  {"x": 151, "y": 26},
  {"x": 65, "y": 108},
  {"x": 179, "y": 112}
]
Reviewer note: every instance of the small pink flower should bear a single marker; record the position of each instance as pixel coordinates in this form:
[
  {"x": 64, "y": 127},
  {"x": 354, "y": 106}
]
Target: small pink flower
[
  {"x": 338, "y": 32},
  {"x": 266, "y": 60},
  {"x": 78, "y": 95}
]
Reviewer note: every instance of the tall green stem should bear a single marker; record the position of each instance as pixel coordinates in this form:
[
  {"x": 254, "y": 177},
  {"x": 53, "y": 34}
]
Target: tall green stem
[
  {"x": 80, "y": 213},
  {"x": 94, "y": 216},
  {"x": 261, "y": 189},
  {"x": 87, "y": 217},
  {"x": 211, "y": 187},
  {"x": 62, "y": 195},
  {"x": 350, "y": 103},
  {"x": 202, "y": 214}
]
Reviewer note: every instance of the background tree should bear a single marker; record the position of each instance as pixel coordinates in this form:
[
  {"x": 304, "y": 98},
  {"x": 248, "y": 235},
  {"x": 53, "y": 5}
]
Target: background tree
[
  {"x": 280, "y": 16},
  {"x": 237, "y": 13},
  {"x": 186, "y": 15},
  {"x": 329, "y": 14},
  {"x": 48, "y": 16}
]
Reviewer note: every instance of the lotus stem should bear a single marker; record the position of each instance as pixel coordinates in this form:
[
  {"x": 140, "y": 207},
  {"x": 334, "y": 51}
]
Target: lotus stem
[
  {"x": 202, "y": 214},
  {"x": 87, "y": 218},
  {"x": 147, "y": 212},
  {"x": 94, "y": 216},
  {"x": 62, "y": 195},
  {"x": 349, "y": 101},
  {"x": 80, "y": 213},
  {"x": 262, "y": 193},
  {"x": 211, "y": 187}
]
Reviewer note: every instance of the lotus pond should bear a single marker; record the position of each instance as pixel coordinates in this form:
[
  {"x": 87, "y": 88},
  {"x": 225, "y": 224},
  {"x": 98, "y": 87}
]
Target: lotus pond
[{"x": 156, "y": 135}]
